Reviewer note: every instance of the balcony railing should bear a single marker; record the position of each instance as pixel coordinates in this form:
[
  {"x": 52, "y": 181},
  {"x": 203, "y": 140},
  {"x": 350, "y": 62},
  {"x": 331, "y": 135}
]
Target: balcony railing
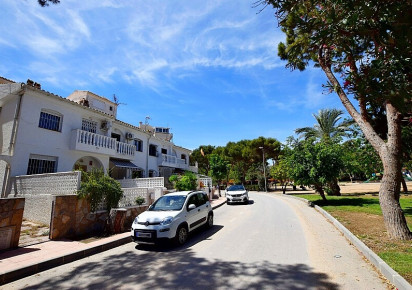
[
  {"x": 173, "y": 161},
  {"x": 92, "y": 142}
]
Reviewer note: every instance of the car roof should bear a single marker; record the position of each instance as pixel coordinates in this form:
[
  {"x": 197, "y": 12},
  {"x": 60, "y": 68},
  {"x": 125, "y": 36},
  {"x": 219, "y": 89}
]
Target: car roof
[{"x": 182, "y": 193}]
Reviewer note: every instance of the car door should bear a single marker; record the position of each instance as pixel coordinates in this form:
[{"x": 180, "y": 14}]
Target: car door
[
  {"x": 204, "y": 206},
  {"x": 194, "y": 216}
]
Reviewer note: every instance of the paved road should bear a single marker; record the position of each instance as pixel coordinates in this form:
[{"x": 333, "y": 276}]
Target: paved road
[{"x": 272, "y": 243}]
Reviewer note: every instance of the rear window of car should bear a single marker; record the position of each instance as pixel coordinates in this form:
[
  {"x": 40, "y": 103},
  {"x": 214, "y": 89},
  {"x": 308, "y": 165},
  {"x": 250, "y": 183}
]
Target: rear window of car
[{"x": 236, "y": 187}]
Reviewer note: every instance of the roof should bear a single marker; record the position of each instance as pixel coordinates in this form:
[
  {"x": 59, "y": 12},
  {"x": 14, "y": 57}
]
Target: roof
[
  {"x": 25, "y": 86},
  {"x": 184, "y": 193}
]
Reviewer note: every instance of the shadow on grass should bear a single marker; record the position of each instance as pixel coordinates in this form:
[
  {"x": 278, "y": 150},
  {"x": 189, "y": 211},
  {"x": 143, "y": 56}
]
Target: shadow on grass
[{"x": 353, "y": 201}]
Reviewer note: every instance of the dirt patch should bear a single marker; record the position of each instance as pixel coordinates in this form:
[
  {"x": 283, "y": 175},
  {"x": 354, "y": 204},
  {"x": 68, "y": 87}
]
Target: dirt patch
[
  {"x": 33, "y": 233},
  {"x": 371, "y": 230}
]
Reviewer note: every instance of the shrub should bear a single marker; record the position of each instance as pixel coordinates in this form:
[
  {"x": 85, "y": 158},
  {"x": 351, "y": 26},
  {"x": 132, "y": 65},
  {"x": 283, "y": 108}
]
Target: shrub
[
  {"x": 188, "y": 181},
  {"x": 140, "y": 200}
]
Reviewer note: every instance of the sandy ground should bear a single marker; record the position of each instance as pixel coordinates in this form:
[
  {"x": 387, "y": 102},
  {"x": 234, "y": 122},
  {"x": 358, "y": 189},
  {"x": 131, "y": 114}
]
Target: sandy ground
[{"x": 347, "y": 188}]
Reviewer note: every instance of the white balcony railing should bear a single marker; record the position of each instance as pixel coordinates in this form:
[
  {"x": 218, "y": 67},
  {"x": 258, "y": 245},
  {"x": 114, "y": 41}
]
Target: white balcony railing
[
  {"x": 173, "y": 161},
  {"x": 92, "y": 142}
]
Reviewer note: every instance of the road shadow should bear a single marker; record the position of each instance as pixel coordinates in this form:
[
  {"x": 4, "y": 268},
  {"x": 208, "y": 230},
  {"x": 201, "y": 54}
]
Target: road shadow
[
  {"x": 195, "y": 237},
  {"x": 183, "y": 269}
]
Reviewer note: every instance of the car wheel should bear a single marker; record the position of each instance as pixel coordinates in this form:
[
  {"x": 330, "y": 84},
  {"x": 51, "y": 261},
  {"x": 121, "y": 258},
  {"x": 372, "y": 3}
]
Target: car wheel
[
  {"x": 246, "y": 201},
  {"x": 181, "y": 235},
  {"x": 209, "y": 220}
]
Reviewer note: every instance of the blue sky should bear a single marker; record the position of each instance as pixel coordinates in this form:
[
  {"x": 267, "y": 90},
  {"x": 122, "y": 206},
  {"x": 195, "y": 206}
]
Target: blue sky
[{"x": 207, "y": 69}]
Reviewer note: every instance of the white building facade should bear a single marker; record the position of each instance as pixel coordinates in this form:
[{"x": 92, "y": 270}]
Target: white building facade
[{"x": 43, "y": 133}]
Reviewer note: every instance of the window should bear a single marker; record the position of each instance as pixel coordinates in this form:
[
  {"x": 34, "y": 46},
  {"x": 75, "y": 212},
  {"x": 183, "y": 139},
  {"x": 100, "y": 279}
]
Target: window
[
  {"x": 201, "y": 198},
  {"x": 39, "y": 164},
  {"x": 162, "y": 130},
  {"x": 89, "y": 126},
  {"x": 50, "y": 121},
  {"x": 164, "y": 151},
  {"x": 193, "y": 200},
  {"x": 152, "y": 150},
  {"x": 139, "y": 145},
  {"x": 152, "y": 173},
  {"x": 183, "y": 157}
]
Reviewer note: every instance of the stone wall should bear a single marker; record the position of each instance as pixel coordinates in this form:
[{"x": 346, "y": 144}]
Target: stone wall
[
  {"x": 71, "y": 218},
  {"x": 11, "y": 217}
]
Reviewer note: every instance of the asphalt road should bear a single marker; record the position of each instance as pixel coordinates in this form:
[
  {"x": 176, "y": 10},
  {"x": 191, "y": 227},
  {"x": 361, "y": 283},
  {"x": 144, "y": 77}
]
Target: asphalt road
[{"x": 272, "y": 243}]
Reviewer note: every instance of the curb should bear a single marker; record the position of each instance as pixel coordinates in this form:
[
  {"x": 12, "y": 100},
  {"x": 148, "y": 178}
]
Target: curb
[
  {"x": 219, "y": 205},
  {"x": 390, "y": 274},
  {"x": 55, "y": 262}
]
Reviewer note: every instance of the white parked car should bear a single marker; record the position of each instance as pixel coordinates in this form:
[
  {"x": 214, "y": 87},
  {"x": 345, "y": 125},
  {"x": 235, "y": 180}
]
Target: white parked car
[
  {"x": 237, "y": 193},
  {"x": 173, "y": 216}
]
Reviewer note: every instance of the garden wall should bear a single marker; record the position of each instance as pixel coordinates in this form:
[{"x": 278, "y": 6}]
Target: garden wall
[
  {"x": 11, "y": 217},
  {"x": 72, "y": 218}
]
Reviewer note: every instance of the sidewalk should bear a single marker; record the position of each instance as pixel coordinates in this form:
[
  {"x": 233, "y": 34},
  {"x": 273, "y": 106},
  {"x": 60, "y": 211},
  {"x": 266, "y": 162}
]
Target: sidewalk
[{"x": 26, "y": 261}]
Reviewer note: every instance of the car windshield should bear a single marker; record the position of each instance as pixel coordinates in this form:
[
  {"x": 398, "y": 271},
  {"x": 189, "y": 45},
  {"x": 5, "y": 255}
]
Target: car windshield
[
  {"x": 168, "y": 202},
  {"x": 236, "y": 187}
]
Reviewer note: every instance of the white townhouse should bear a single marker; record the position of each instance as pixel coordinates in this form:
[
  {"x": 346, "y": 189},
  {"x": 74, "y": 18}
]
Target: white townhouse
[{"x": 43, "y": 133}]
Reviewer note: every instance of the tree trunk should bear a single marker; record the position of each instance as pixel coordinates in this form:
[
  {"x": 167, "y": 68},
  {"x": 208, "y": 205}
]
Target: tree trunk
[
  {"x": 389, "y": 153},
  {"x": 389, "y": 194},
  {"x": 404, "y": 186},
  {"x": 334, "y": 187},
  {"x": 319, "y": 189}
]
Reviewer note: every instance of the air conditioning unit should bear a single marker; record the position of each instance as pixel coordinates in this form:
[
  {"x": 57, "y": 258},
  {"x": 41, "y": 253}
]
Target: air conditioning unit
[{"x": 129, "y": 136}]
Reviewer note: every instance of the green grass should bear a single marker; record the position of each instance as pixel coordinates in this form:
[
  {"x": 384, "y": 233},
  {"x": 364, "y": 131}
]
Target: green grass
[
  {"x": 400, "y": 262},
  {"x": 366, "y": 204}
]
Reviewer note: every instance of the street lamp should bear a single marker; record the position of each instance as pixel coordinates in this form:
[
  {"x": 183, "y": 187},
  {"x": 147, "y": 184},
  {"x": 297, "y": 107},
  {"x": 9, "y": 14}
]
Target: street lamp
[{"x": 264, "y": 167}]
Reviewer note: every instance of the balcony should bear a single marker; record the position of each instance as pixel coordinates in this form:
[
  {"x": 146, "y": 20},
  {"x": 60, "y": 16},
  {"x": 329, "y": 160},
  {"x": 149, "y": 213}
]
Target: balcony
[
  {"x": 95, "y": 143},
  {"x": 172, "y": 161}
]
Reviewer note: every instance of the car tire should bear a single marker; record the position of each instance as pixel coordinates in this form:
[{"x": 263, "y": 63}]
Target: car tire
[
  {"x": 181, "y": 235},
  {"x": 246, "y": 201},
  {"x": 209, "y": 222}
]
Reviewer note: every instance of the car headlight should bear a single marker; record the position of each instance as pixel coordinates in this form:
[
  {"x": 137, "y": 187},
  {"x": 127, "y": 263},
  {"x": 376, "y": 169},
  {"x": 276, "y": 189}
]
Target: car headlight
[
  {"x": 136, "y": 220},
  {"x": 167, "y": 221}
]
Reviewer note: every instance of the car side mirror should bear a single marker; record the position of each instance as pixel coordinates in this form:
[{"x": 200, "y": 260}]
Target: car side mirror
[{"x": 191, "y": 206}]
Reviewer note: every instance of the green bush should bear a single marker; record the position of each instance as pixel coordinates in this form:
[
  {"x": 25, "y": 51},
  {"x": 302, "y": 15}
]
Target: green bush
[
  {"x": 188, "y": 181},
  {"x": 96, "y": 187},
  {"x": 140, "y": 200}
]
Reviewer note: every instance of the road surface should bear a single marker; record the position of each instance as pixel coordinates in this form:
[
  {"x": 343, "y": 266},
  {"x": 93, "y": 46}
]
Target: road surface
[{"x": 273, "y": 243}]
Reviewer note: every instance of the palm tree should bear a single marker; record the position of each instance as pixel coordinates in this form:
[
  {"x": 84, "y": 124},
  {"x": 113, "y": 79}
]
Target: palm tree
[{"x": 329, "y": 125}]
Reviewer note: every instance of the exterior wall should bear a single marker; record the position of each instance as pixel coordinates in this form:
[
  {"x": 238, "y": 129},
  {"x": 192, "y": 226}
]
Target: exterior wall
[
  {"x": 38, "y": 208},
  {"x": 31, "y": 139},
  {"x": 11, "y": 217},
  {"x": 71, "y": 218},
  {"x": 6, "y": 123}
]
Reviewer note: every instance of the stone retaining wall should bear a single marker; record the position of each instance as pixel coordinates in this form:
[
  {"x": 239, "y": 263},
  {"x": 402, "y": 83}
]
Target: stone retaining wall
[
  {"x": 11, "y": 217},
  {"x": 72, "y": 218}
]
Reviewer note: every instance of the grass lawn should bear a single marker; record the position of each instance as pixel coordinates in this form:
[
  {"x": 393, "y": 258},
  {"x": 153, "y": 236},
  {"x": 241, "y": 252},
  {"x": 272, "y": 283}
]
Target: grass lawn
[{"x": 362, "y": 215}]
